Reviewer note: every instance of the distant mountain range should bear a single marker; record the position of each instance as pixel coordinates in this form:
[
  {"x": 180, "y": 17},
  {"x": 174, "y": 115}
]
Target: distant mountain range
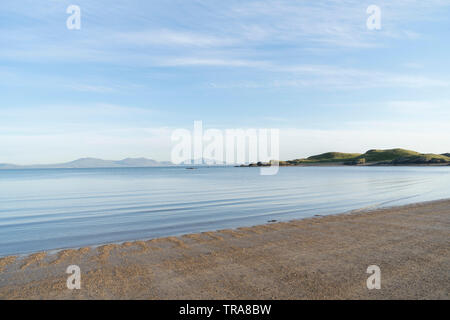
[
  {"x": 371, "y": 157},
  {"x": 94, "y": 163}
]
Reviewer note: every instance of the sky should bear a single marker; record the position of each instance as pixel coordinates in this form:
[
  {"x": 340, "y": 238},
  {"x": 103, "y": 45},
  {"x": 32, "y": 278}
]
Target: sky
[{"x": 138, "y": 70}]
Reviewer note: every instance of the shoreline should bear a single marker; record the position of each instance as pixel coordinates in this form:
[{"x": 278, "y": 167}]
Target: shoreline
[
  {"x": 56, "y": 251},
  {"x": 286, "y": 260},
  {"x": 312, "y": 164},
  {"x": 341, "y": 164}
]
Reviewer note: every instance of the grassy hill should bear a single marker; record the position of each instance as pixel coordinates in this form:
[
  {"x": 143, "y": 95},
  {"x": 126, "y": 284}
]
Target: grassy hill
[
  {"x": 331, "y": 157},
  {"x": 422, "y": 159},
  {"x": 390, "y": 156},
  {"x": 387, "y": 155}
]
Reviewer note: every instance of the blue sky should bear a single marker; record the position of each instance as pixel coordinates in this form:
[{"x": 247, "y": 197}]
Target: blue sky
[{"x": 137, "y": 70}]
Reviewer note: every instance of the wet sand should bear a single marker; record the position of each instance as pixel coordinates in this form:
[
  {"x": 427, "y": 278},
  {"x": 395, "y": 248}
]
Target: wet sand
[{"x": 317, "y": 258}]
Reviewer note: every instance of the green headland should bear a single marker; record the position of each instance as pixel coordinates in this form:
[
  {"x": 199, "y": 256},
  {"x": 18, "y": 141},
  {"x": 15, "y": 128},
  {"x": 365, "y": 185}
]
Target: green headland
[{"x": 371, "y": 157}]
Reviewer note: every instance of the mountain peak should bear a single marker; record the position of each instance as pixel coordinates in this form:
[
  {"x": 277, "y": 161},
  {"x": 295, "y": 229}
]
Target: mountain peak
[{"x": 89, "y": 162}]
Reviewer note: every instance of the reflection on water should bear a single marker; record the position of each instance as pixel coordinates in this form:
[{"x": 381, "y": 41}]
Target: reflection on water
[{"x": 60, "y": 208}]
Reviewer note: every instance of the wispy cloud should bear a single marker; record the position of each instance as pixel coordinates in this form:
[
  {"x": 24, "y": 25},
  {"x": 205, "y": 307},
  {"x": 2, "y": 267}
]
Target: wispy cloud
[
  {"x": 166, "y": 37},
  {"x": 89, "y": 88},
  {"x": 70, "y": 118},
  {"x": 211, "y": 62},
  {"x": 221, "y": 61},
  {"x": 300, "y": 24},
  {"x": 329, "y": 76},
  {"x": 436, "y": 107}
]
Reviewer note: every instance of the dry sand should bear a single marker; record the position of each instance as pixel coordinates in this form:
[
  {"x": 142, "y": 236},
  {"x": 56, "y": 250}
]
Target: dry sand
[{"x": 317, "y": 258}]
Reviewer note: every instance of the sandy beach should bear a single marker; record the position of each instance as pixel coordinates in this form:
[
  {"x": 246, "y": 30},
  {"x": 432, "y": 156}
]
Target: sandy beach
[{"x": 324, "y": 257}]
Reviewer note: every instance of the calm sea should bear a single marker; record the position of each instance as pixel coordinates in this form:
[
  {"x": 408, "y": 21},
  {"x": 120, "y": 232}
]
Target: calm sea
[{"x": 48, "y": 209}]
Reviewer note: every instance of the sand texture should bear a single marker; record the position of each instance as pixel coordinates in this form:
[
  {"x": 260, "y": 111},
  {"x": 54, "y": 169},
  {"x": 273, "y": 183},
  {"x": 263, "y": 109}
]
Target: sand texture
[{"x": 317, "y": 258}]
